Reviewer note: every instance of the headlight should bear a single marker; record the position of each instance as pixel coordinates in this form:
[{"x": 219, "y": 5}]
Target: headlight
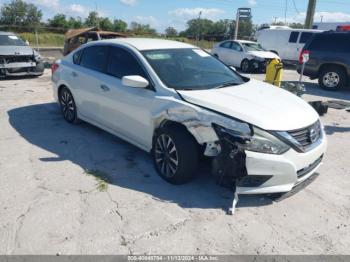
[
  {"x": 257, "y": 141},
  {"x": 258, "y": 58},
  {"x": 264, "y": 142}
]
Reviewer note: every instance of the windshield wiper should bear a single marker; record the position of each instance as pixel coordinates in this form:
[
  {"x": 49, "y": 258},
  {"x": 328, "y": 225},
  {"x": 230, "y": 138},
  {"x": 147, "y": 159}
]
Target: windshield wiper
[{"x": 227, "y": 85}]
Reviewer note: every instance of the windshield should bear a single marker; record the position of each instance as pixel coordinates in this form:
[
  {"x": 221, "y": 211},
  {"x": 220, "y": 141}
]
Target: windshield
[
  {"x": 12, "y": 40},
  {"x": 252, "y": 47},
  {"x": 191, "y": 69}
]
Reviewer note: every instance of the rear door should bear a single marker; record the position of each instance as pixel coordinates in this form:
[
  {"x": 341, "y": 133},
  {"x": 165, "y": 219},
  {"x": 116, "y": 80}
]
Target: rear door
[
  {"x": 85, "y": 80},
  {"x": 223, "y": 51}
]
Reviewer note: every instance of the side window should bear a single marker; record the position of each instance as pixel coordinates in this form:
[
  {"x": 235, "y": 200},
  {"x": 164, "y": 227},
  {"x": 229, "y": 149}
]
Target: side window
[
  {"x": 305, "y": 36},
  {"x": 293, "y": 37},
  {"x": 336, "y": 43},
  {"x": 95, "y": 58},
  {"x": 122, "y": 63},
  {"x": 77, "y": 56},
  {"x": 226, "y": 44},
  {"x": 235, "y": 46}
]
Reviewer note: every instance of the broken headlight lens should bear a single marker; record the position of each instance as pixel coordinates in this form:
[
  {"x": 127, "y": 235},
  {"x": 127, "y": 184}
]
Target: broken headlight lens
[{"x": 264, "y": 142}]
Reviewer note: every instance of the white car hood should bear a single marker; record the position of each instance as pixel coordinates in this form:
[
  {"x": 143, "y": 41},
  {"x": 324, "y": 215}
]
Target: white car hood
[
  {"x": 264, "y": 54},
  {"x": 257, "y": 103}
]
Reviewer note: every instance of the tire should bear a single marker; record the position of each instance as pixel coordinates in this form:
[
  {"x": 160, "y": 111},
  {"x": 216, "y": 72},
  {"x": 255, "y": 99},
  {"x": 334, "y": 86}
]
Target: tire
[
  {"x": 179, "y": 164},
  {"x": 245, "y": 66},
  {"x": 68, "y": 107},
  {"x": 332, "y": 78}
]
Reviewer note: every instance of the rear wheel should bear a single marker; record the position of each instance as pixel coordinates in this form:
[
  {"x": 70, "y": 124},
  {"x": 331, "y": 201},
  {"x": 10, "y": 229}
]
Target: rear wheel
[
  {"x": 68, "y": 107},
  {"x": 175, "y": 155},
  {"x": 332, "y": 78}
]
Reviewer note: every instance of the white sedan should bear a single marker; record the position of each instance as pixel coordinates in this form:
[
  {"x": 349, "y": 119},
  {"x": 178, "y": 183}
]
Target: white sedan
[
  {"x": 179, "y": 103},
  {"x": 246, "y": 55}
]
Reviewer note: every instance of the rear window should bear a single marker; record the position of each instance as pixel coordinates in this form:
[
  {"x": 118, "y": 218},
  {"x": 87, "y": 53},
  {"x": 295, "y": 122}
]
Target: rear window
[
  {"x": 95, "y": 58},
  {"x": 331, "y": 43},
  {"x": 226, "y": 44},
  {"x": 305, "y": 36},
  {"x": 293, "y": 37}
]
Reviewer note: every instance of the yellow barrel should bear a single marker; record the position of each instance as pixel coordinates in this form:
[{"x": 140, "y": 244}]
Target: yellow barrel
[{"x": 274, "y": 71}]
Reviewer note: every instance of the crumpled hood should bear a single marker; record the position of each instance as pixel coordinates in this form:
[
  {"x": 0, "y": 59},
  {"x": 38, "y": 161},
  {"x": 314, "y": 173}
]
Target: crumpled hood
[
  {"x": 16, "y": 50},
  {"x": 257, "y": 103},
  {"x": 264, "y": 54}
]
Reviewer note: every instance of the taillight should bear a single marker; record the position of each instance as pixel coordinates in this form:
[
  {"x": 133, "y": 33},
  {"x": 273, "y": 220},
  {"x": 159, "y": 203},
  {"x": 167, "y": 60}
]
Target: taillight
[
  {"x": 302, "y": 53},
  {"x": 54, "y": 67}
]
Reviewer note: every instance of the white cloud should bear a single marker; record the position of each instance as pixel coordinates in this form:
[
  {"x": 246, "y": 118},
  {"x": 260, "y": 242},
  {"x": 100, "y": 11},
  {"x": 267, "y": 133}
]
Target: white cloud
[
  {"x": 128, "y": 2},
  {"x": 326, "y": 17},
  {"x": 252, "y": 2},
  {"x": 188, "y": 13},
  {"x": 180, "y": 16},
  {"x": 77, "y": 10},
  {"x": 50, "y": 4},
  {"x": 150, "y": 20}
]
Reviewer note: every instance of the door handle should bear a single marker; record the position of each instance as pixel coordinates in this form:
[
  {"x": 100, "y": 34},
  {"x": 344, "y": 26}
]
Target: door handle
[
  {"x": 104, "y": 88},
  {"x": 74, "y": 74}
]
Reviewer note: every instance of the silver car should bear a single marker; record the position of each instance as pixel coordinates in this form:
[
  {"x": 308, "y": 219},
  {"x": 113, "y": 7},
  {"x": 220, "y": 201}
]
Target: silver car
[{"x": 17, "y": 58}]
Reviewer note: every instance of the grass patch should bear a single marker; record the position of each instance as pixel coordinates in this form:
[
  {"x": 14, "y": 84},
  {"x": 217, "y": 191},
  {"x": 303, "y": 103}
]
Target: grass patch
[
  {"x": 45, "y": 39},
  {"x": 102, "y": 179}
]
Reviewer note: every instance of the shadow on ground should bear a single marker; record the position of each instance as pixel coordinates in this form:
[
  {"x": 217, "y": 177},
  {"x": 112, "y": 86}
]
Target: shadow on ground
[
  {"x": 314, "y": 89},
  {"x": 120, "y": 163},
  {"x": 330, "y": 130}
]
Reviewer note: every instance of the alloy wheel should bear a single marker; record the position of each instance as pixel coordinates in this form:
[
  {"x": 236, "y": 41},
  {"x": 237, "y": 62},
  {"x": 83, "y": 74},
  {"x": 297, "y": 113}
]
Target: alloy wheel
[
  {"x": 166, "y": 155},
  {"x": 67, "y": 105},
  {"x": 331, "y": 79}
]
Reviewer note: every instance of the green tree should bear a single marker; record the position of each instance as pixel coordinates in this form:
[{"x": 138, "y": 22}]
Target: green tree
[
  {"x": 170, "y": 32},
  {"x": 245, "y": 29},
  {"x": 142, "y": 29},
  {"x": 106, "y": 24},
  {"x": 92, "y": 19},
  {"x": 296, "y": 25},
  {"x": 20, "y": 13},
  {"x": 223, "y": 28},
  {"x": 75, "y": 22},
  {"x": 58, "y": 20},
  {"x": 199, "y": 27},
  {"x": 119, "y": 25}
]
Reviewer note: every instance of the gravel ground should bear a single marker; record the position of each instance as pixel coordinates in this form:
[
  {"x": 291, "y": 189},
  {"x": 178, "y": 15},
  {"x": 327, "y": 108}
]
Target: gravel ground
[{"x": 78, "y": 190}]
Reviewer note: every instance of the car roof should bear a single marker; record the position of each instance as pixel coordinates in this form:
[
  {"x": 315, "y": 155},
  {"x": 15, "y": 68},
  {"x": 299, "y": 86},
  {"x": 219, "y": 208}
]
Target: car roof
[
  {"x": 149, "y": 44},
  {"x": 245, "y": 41},
  {"x": 6, "y": 33}
]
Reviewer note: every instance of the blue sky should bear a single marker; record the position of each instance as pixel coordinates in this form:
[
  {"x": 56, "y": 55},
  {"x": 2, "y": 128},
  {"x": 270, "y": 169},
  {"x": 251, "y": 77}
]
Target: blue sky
[{"x": 163, "y": 13}]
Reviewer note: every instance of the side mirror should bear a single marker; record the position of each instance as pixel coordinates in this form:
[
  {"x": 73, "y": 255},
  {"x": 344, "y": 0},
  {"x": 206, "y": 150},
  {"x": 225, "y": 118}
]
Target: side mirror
[
  {"x": 27, "y": 42},
  {"x": 135, "y": 81}
]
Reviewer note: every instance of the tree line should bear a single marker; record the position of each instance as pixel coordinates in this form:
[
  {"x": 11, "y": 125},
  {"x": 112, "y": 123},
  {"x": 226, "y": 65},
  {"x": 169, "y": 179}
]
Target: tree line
[{"x": 22, "y": 16}]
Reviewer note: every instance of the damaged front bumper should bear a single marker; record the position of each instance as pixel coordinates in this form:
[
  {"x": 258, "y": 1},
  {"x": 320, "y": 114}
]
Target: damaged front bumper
[
  {"x": 280, "y": 173},
  {"x": 17, "y": 67},
  {"x": 257, "y": 65}
]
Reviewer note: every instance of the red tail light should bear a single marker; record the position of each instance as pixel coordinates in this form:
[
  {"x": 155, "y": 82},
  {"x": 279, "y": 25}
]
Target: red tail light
[
  {"x": 303, "y": 52},
  {"x": 54, "y": 67}
]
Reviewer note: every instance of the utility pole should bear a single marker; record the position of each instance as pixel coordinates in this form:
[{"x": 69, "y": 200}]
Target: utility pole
[
  {"x": 236, "y": 25},
  {"x": 199, "y": 27},
  {"x": 310, "y": 14}
]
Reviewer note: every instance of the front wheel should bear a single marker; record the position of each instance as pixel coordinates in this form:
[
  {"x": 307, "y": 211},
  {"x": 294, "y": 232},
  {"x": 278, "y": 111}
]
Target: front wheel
[
  {"x": 245, "y": 66},
  {"x": 332, "y": 78},
  {"x": 175, "y": 155}
]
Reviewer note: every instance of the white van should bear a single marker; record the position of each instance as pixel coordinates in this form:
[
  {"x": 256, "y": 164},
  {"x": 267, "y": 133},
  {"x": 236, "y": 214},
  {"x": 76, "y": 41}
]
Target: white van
[{"x": 285, "y": 42}]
